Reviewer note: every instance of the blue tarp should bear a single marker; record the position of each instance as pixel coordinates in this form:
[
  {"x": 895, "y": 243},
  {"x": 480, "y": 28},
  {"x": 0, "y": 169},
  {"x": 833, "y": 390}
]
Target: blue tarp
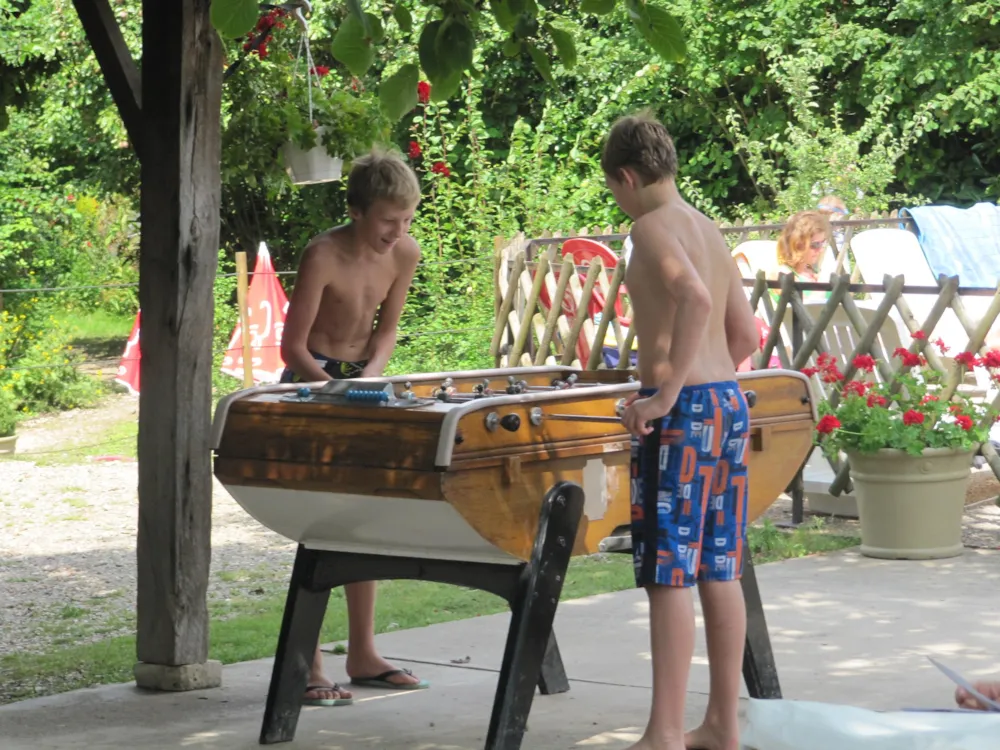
[{"x": 960, "y": 242}]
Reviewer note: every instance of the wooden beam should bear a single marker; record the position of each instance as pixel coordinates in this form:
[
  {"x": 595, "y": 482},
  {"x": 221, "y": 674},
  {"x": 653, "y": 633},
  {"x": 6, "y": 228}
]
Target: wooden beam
[
  {"x": 115, "y": 59},
  {"x": 181, "y": 186}
]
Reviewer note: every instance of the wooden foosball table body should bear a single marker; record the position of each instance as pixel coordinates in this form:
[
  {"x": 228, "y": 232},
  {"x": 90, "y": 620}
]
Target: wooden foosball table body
[
  {"x": 463, "y": 477},
  {"x": 491, "y": 479}
]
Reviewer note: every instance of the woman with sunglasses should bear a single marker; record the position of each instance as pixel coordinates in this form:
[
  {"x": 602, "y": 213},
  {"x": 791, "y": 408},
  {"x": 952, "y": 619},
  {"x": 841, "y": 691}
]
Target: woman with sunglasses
[{"x": 801, "y": 247}]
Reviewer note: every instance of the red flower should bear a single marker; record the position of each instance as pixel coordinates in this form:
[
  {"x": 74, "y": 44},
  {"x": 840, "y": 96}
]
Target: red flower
[
  {"x": 968, "y": 359},
  {"x": 320, "y": 70},
  {"x": 909, "y": 358},
  {"x": 991, "y": 359},
  {"x": 809, "y": 371},
  {"x": 414, "y": 150},
  {"x": 423, "y": 92},
  {"x": 928, "y": 398},
  {"x": 827, "y": 424},
  {"x": 832, "y": 375},
  {"x": 824, "y": 360},
  {"x": 854, "y": 387},
  {"x": 964, "y": 421},
  {"x": 942, "y": 347},
  {"x": 864, "y": 362},
  {"x": 441, "y": 168},
  {"x": 876, "y": 400},
  {"x": 71, "y": 197},
  {"x": 919, "y": 335},
  {"x": 913, "y": 417}
]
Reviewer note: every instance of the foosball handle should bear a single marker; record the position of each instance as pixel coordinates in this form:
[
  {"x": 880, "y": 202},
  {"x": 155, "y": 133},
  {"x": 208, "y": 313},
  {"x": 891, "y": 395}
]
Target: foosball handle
[
  {"x": 359, "y": 395},
  {"x": 751, "y": 397}
]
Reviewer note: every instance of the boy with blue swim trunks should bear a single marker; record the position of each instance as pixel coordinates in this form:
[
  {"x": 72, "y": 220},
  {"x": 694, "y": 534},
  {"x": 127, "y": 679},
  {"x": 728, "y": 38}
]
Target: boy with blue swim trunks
[{"x": 690, "y": 425}]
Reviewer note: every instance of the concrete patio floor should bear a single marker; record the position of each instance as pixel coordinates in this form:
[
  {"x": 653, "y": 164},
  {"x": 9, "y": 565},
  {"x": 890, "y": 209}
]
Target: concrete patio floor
[{"x": 845, "y": 629}]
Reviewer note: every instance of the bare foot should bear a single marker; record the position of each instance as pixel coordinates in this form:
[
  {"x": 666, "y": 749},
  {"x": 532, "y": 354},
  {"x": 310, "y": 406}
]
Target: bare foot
[
  {"x": 711, "y": 737},
  {"x": 966, "y": 700},
  {"x": 647, "y": 743},
  {"x": 367, "y": 666}
]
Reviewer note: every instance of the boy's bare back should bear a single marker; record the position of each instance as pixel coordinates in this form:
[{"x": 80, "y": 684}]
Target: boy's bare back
[
  {"x": 679, "y": 255},
  {"x": 346, "y": 284}
]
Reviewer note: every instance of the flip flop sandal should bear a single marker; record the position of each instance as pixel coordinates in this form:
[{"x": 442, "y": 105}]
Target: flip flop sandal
[
  {"x": 326, "y": 702},
  {"x": 382, "y": 681}
]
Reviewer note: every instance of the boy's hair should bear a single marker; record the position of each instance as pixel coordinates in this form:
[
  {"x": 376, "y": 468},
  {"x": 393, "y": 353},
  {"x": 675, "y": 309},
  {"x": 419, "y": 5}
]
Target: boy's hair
[
  {"x": 832, "y": 204},
  {"x": 794, "y": 240},
  {"x": 642, "y": 143},
  {"x": 381, "y": 175}
]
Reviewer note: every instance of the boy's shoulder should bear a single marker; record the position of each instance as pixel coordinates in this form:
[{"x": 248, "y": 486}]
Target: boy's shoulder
[
  {"x": 323, "y": 247},
  {"x": 407, "y": 249}
]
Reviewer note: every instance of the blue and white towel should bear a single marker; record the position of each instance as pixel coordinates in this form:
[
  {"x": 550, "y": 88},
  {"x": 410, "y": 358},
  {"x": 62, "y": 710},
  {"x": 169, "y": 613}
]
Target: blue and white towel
[{"x": 960, "y": 242}]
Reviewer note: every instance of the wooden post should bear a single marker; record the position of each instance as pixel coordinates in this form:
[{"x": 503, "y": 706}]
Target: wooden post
[
  {"x": 181, "y": 186},
  {"x": 241, "y": 300}
]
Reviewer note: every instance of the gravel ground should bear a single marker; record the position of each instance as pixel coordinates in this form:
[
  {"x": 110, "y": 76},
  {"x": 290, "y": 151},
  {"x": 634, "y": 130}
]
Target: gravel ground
[
  {"x": 67, "y": 538},
  {"x": 67, "y": 543}
]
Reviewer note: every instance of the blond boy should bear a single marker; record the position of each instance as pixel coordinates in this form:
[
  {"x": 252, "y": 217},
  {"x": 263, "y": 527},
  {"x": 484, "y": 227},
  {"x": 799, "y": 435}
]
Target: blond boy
[
  {"x": 689, "y": 424},
  {"x": 342, "y": 319}
]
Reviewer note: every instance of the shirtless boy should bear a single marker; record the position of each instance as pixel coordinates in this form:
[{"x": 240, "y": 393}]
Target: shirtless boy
[
  {"x": 689, "y": 424},
  {"x": 349, "y": 277}
]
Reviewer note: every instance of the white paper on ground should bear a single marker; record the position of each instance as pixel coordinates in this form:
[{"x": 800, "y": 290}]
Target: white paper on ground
[{"x": 805, "y": 725}]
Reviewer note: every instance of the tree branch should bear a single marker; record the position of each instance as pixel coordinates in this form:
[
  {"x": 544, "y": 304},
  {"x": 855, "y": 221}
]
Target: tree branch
[{"x": 115, "y": 59}]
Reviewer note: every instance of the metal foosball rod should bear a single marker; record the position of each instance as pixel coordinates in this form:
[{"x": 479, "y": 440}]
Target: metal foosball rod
[{"x": 581, "y": 418}]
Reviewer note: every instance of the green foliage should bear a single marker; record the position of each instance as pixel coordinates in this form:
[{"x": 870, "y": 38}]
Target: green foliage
[
  {"x": 37, "y": 364},
  {"x": 8, "y": 415},
  {"x": 447, "y": 43},
  {"x": 816, "y": 157},
  {"x": 866, "y": 417}
]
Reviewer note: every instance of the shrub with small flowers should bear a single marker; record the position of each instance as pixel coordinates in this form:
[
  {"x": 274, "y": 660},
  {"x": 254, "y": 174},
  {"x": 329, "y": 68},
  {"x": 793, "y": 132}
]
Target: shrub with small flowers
[
  {"x": 869, "y": 417},
  {"x": 38, "y": 368}
]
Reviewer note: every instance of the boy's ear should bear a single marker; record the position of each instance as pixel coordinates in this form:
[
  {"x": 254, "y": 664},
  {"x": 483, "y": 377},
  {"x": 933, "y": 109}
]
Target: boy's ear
[{"x": 629, "y": 178}]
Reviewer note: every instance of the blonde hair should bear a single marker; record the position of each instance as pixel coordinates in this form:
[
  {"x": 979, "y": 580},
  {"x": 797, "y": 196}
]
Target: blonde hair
[
  {"x": 793, "y": 244},
  {"x": 381, "y": 175},
  {"x": 642, "y": 143}
]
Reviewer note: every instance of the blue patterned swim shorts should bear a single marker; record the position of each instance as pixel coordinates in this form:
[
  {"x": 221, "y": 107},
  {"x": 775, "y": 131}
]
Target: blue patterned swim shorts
[{"x": 690, "y": 489}]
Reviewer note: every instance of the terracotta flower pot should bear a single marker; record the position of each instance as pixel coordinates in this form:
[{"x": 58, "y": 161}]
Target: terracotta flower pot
[{"x": 911, "y": 507}]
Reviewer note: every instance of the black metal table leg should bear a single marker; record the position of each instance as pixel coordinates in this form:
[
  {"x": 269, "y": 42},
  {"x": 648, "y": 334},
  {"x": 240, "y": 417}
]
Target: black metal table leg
[
  {"x": 759, "y": 668},
  {"x": 552, "y": 679},
  {"x": 300, "y": 628},
  {"x": 533, "y": 611}
]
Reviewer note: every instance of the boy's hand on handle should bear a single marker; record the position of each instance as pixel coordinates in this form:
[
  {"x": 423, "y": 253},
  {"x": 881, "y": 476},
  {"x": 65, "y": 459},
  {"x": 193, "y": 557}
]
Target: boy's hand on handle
[{"x": 640, "y": 411}]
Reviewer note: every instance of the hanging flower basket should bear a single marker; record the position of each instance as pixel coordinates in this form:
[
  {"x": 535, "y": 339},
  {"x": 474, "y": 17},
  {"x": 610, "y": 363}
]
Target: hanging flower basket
[{"x": 311, "y": 166}]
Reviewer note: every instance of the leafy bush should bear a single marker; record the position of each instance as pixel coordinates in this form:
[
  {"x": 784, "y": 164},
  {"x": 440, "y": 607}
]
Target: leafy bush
[
  {"x": 8, "y": 416},
  {"x": 38, "y": 367}
]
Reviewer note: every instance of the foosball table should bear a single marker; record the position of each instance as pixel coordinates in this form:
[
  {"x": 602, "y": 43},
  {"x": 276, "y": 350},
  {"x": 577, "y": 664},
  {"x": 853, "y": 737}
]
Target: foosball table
[{"x": 490, "y": 479}]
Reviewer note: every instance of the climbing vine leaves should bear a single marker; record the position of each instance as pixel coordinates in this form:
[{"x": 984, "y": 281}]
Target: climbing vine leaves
[{"x": 446, "y": 43}]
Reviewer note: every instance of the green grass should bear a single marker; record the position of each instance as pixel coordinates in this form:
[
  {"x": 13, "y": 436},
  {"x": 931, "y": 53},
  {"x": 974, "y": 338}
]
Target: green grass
[
  {"x": 246, "y": 626},
  {"x": 98, "y": 333},
  {"x": 120, "y": 439}
]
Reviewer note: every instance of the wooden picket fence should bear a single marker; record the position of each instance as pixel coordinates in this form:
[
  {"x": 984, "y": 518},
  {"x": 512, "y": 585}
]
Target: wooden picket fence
[{"x": 529, "y": 332}]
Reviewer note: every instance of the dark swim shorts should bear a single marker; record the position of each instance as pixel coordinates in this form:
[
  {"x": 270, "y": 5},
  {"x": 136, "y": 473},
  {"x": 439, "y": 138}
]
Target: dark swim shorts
[
  {"x": 335, "y": 368},
  {"x": 689, "y": 489}
]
